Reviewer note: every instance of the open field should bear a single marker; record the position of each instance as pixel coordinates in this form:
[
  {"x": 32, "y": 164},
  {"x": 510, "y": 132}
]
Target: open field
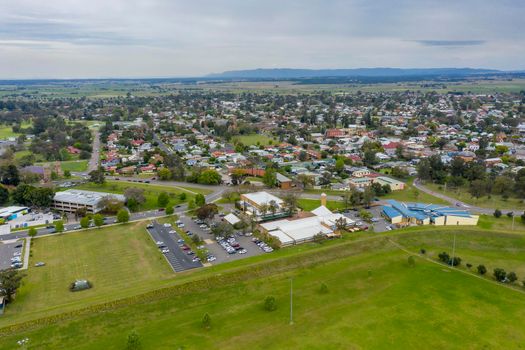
[
  {"x": 255, "y": 139},
  {"x": 151, "y": 191},
  {"x": 374, "y": 299},
  {"x": 406, "y": 195},
  {"x": 495, "y": 201},
  {"x": 311, "y": 204},
  {"x": 118, "y": 260},
  {"x": 71, "y": 165}
]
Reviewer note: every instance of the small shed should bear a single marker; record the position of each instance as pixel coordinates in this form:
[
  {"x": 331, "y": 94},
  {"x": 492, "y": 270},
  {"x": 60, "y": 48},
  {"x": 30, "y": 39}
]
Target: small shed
[{"x": 232, "y": 219}]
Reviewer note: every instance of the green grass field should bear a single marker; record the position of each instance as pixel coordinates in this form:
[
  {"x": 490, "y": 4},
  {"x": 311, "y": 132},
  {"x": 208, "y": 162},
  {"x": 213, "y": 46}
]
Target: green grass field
[
  {"x": 374, "y": 299},
  {"x": 311, "y": 204},
  {"x": 495, "y": 201},
  {"x": 117, "y": 260},
  {"x": 151, "y": 191},
  {"x": 255, "y": 139}
]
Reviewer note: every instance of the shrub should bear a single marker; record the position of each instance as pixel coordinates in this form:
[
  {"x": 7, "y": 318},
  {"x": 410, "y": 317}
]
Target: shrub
[
  {"x": 323, "y": 289},
  {"x": 444, "y": 257},
  {"x": 456, "y": 261},
  {"x": 510, "y": 214},
  {"x": 511, "y": 276},
  {"x": 497, "y": 213},
  {"x": 500, "y": 274},
  {"x": 411, "y": 261},
  {"x": 169, "y": 210},
  {"x": 206, "y": 321},
  {"x": 469, "y": 266},
  {"x": 270, "y": 304},
  {"x": 482, "y": 269},
  {"x": 133, "y": 341},
  {"x": 423, "y": 251}
]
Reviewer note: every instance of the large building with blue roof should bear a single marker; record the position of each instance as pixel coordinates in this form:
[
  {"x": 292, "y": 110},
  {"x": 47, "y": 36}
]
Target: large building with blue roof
[{"x": 426, "y": 214}]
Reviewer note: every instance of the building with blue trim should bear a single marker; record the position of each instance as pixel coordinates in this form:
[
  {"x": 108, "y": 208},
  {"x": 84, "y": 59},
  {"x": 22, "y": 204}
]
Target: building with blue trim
[{"x": 426, "y": 214}]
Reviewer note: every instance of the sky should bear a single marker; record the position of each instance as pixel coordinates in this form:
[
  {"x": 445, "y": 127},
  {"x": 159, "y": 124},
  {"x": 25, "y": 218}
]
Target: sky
[{"x": 176, "y": 38}]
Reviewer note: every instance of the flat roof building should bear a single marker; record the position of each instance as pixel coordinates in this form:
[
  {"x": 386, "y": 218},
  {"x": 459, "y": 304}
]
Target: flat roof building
[
  {"x": 71, "y": 200},
  {"x": 425, "y": 214},
  {"x": 263, "y": 206}
]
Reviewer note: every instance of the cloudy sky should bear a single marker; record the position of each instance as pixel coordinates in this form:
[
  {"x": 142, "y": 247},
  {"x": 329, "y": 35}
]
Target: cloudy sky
[{"x": 173, "y": 38}]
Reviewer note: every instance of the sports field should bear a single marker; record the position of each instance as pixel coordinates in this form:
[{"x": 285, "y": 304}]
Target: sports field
[{"x": 373, "y": 299}]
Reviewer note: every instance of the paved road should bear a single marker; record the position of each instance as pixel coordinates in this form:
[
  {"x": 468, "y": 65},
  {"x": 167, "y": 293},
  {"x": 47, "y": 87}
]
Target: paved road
[
  {"x": 177, "y": 258},
  {"x": 457, "y": 203},
  {"x": 161, "y": 143},
  {"x": 95, "y": 155}
]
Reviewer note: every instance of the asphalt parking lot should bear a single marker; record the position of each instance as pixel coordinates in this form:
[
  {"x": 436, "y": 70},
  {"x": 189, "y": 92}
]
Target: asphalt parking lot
[
  {"x": 214, "y": 248},
  {"x": 379, "y": 226},
  {"x": 7, "y": 251},
  {"x": 176, "y": 257}
]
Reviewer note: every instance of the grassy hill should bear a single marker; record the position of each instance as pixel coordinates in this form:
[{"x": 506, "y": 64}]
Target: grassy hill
[{"x": 374, "y": 298}]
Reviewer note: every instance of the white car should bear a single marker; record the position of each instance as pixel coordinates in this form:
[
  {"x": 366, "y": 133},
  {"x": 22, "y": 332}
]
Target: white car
[
  {"x": 203, "y": 226},
  {"x": 17, "y": 253},
  {"x": 165, "y": 250},
  {"x": 159, "y": 243},
  {"x": 167, "y": 225},
  {"x": 173, "y": 232},
  {"x": 181, "y": 225}
]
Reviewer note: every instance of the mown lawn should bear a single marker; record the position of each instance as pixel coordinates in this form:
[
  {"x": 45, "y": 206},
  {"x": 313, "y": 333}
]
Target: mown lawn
[
  {"x": 71, "y": 165},
  {"x": 151, "y": 191},
  {"x": 495, "y": 201},
  {"x": 374, "y": 300},
  {"x": 311, "y": 204},
  {"x": 117, "y": 260},
  {"x": 255, "y": 139}
]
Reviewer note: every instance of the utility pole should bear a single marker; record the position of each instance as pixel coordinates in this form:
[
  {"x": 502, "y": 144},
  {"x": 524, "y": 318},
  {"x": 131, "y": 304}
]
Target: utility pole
[
  {"x": 291, "y": 301},
  {"x": 513, "y": 217}
]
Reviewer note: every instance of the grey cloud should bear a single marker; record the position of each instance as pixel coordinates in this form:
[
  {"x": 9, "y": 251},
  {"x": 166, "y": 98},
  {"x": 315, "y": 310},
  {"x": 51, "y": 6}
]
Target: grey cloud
[{"x": 450, "y": 42}]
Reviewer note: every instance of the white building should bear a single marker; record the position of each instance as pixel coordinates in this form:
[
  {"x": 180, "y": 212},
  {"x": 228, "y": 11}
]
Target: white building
[
  {"x": 71, "y": 200},
  {"x": 295, "y": 231}
]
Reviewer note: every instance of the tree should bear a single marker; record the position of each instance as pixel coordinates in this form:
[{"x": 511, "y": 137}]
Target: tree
[
  {"x": 133, "y": 341},
  {"x": 97, "y": 176},
  {"x": 10, "y": 281},
  {"x": 164, "y": 174},
  {"x": 207, "y": 211},
  {"x": 482, "y": 269},
  {"x": 237, "y": 176},
  {"x": 67, "y": 174},
  {"x": 222, "y": 229},
  {"x": 4, "y": 195},
  {"x": 110, "y": 204},
  {"x": 206, "y": 321},
  {"x": 368, "y": 196},
  {"x": 32, "y": 232},
  {"x": 200, "y": 200},
  {"x": 163, "y": 199},
  {"x": 478, "y": 188},
  {"x": 497, "y": 213},
  {"x": 84, "y": 222},
  {"x": 500, "y": 274},
  {"x": 183, "y": 196},
  {"x": 365, "y": 215},
  {"x": 59, "y": 226},
  {"x": 270, "y": 303},
  {"x": 9, "y": 175},
  {"x": 191, "y": 204},
  {"x": 411, "y": 261},
  {"x": 290, "y": 201},
  {"x": 512, "y": 277},
  {"x": 134, "y": 194},
  {"x": 339, "y": 165},
  {"x": 169, "y": 210},
  {"x": 340, "y": 224},
  {"x": 210, "y": 177},
  {"x": 98, "y": 220},
  {"x": 270, "y": 177},
  {"x": 369, "y": 157},
  {"x": 122, "y": 216}
]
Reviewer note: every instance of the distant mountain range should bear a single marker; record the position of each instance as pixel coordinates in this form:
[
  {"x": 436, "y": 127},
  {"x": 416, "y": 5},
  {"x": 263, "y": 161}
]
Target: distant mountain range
[{"x": 291, "y": 73}]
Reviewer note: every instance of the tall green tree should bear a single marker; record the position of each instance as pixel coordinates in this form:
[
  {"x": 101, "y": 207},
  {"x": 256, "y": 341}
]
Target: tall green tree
[{"x": 10, "y": 280}]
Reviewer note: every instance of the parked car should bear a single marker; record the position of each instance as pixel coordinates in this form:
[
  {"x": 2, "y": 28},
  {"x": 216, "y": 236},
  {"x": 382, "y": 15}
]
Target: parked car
[{"x": 39, "y": 264}]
